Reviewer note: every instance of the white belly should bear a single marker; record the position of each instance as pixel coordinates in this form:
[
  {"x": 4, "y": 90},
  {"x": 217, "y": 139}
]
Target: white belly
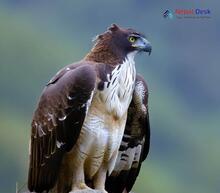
[{"x": 98, "y": 142}]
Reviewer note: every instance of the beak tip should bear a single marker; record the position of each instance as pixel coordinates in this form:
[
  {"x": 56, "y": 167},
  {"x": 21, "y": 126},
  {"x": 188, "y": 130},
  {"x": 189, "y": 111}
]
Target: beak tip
[{"x": 148, "y": 49}]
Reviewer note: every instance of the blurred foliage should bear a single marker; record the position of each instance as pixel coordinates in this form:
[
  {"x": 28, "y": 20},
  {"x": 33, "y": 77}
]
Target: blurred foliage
[{"x": 37, "y": 38}]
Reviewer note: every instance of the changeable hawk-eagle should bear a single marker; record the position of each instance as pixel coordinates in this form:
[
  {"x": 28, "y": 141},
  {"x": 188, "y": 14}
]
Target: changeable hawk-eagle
[{"x": 91, "y": 127}]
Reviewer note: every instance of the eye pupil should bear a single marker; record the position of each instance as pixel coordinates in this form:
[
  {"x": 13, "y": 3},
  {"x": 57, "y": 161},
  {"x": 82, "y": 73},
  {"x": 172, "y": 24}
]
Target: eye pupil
[{"x": 132, "y": 39}]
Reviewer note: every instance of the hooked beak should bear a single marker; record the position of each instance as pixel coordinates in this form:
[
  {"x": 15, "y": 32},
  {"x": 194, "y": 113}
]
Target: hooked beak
[{"x": 143, "y": 44}]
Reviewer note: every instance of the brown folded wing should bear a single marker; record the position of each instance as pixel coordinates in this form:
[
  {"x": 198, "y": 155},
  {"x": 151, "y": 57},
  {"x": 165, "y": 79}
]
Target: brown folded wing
[{"x": 57, "y": 123}]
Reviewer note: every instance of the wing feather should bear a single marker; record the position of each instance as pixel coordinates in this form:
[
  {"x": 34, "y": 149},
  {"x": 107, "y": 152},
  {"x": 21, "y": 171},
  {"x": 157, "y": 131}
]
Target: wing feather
[{"x": 57, "y": 123}]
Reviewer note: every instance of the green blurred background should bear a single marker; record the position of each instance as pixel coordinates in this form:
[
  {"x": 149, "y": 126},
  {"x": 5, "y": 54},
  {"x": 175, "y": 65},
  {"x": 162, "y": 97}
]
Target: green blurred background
[{"x": 37, "y": 38}]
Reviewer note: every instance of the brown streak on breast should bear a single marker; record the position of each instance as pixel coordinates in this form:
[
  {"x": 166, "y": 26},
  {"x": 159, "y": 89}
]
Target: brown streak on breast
[{"x": 115, "y": 118}]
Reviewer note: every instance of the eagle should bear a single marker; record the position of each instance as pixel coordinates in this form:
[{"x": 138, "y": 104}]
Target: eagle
[{"x": 91, "y": 128}]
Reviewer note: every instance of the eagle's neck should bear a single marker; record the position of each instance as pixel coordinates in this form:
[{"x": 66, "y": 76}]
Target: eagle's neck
[
  {"x": 106, "y": 53},
  {"x": 117, "y": 90}
]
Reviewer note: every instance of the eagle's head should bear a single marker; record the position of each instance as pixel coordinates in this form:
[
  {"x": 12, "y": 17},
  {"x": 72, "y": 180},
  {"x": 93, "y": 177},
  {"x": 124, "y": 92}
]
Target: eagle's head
[{"x": 116, "y": 43}]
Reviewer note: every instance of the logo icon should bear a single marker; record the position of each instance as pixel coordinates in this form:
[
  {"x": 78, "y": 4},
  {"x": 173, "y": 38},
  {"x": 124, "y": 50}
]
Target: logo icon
[{"x": 168, "y": 14}]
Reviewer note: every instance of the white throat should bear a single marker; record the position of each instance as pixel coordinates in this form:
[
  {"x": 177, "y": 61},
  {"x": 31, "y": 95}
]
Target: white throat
[{"x": 130, "y": 56}]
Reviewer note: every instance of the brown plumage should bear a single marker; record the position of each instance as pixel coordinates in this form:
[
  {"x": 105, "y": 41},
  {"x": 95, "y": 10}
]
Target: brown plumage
[
  {"x": 59, "y": 99},
  {"x": 91, "y": 96},
  {"x": 105, "y": 50}
]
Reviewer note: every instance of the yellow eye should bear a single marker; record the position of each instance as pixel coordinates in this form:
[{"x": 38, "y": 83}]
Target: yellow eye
[{"x": 132, "y": 39}]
